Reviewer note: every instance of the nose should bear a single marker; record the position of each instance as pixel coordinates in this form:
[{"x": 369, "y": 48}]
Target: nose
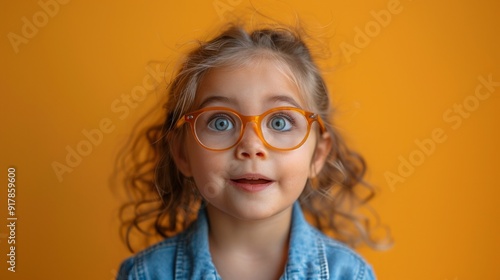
[{"x": 251, "y": 145}]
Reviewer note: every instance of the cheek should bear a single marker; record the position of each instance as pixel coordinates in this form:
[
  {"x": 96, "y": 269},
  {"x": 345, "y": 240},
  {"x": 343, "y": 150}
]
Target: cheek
[
  {"x": 295, "y": 165},
  {"x": 208, "y": 169}
]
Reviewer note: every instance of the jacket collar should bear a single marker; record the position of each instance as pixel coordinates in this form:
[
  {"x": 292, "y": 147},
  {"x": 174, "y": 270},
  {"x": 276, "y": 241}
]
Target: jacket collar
[{"x": 306, "y": 254}]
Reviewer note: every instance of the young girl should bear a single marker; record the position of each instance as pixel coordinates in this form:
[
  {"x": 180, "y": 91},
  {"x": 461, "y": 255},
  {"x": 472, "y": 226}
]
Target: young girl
[{"x": 246, "y": 146}]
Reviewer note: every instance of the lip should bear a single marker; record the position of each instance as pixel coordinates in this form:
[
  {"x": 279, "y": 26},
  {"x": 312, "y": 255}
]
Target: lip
[{"x": 251, "y": 182}]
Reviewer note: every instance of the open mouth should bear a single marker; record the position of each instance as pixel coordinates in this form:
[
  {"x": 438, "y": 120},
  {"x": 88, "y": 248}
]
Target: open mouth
[{"x": 252, "y": 183}]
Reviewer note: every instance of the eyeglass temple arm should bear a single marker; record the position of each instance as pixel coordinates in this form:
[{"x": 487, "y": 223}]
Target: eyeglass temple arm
[
  {"x": 180, "y": 122},
  {"x": 317, "y": 118}
]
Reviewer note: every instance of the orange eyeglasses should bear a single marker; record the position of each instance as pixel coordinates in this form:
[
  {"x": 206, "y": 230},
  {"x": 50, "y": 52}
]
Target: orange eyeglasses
[{"x": 281, "y": 128}]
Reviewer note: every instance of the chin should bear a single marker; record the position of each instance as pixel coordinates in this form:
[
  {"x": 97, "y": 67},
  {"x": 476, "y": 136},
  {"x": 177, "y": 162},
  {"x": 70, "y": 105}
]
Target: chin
[{"x": 256, "y": 211}]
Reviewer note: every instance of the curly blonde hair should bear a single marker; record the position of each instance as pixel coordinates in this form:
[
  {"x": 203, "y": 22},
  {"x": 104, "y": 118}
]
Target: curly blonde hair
[{"x": 164, "y": 202}]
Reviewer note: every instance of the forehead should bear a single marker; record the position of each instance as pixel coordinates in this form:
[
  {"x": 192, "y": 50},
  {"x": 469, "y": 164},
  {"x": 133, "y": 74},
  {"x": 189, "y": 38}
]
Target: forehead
[{"x": 264, "y": 82}]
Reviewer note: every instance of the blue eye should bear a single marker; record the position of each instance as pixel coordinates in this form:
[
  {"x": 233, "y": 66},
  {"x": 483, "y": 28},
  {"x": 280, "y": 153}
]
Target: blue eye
[
  {"x": 220, "y": 123},
  {"x": 281, "y": 123}
]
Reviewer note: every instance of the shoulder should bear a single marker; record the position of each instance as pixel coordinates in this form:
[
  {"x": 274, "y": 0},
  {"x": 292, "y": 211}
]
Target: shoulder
[
  {"x": 156, "y": 261},
  {"x": 342, "y": 261}
]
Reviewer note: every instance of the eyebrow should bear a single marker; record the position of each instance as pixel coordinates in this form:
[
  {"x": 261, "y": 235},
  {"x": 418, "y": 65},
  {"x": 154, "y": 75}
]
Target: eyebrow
[
  {"x": 214, "y": 99},
  {"x": 230, "y": 101},
  {"x": 286, "y": 99}
]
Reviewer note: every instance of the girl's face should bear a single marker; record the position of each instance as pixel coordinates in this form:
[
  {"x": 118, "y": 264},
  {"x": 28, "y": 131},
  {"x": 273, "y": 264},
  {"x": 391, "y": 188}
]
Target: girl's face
[{"x": 250, "y": 181}]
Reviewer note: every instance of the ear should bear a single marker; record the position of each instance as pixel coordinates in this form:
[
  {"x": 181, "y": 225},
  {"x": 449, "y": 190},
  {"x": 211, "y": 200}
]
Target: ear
[
  {"x": 180, "y": 158},
  {"x": 323, "y": 148}
]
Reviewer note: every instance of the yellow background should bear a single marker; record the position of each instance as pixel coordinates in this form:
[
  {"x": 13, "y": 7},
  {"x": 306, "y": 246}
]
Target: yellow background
[{"x": 444, "y": 217}]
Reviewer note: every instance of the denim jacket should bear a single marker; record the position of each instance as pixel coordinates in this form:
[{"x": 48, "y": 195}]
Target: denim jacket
[{"x": 312, "y": 255}]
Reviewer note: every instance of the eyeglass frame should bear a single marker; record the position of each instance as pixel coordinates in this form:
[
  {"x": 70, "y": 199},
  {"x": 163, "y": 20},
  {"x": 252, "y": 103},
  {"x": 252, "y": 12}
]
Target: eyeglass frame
[{"x": 310, "y": 117}]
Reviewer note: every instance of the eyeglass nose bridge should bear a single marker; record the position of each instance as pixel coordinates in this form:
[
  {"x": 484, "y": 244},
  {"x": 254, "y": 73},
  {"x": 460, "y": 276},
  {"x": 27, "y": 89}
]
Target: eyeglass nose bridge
[{"x": 251, "y": 119}]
